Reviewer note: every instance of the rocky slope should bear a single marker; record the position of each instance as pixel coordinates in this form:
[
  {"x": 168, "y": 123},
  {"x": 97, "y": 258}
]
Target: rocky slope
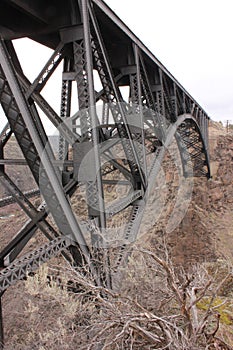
[
  {"x": 204, "y": 208},
  {"x": 206, "y": 232},
  {"x": 205, "y": 235}
]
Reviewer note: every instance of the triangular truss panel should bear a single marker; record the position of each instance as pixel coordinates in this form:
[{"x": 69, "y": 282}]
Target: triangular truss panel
[{"x": 95, "y": 182}]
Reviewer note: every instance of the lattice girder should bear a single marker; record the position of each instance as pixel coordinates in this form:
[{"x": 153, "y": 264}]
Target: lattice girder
[{"x": 110, "y": 150}]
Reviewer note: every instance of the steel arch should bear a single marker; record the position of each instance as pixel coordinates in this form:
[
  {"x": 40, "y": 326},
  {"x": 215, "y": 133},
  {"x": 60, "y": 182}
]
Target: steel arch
[
  {"x": 190, "y": 139},
  {"x": 89, "y": 39}
]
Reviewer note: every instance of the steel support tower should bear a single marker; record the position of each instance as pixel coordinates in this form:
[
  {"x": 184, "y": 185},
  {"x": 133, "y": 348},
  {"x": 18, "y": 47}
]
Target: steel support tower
[{"x": 130, "y": 107}]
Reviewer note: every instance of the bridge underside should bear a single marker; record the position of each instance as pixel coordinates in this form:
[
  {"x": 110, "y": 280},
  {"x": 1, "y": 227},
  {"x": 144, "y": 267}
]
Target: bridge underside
[{"x": 130, "y": 108}]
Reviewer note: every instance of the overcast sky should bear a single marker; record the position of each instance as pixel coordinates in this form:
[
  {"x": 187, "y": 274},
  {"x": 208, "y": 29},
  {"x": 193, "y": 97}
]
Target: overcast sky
[{"x": 192, "y": 38}]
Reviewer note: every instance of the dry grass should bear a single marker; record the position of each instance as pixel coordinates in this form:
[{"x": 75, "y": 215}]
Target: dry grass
[{"x": 158, "y": 306}]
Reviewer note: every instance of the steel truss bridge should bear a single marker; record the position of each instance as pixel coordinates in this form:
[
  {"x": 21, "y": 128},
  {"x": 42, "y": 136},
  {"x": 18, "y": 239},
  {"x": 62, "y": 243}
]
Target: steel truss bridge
[{"x": 129, "y": 109}]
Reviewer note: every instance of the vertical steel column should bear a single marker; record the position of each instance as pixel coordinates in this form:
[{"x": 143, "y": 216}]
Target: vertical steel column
[
  {"x": 82, "y": 89},
  {"x": 65, "y": 107},
  {"x": 183, "y": 102},
  {"x": 160, "y": 96},
  {"x": 133, "y": 98},
  {"x": 105, "y": 113},
  {"x": 142, "y": 137},
  {"x": 201, "y": 122},
  {"x": 70, "y": 225},
  {"x": 92, "y": 109},
  {"x": 175, "y": 106},
  {"x": 197, "y": 116},
  {"x": 114, "y": 97},
  {"x": 98, "y": 186},
  {"x": 92, "y": 194},
  {"x": 167, "y": 100},
  {"x": 204, "y": 127},
  {"x": 150, "y": 102},
  {"x": 206, "y": 132}
]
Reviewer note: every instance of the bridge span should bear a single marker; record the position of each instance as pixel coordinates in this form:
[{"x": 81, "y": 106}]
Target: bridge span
[{"x": 130, "y": 109}]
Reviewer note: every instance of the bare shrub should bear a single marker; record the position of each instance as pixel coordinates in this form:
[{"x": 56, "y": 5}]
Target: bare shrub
[{"x": 159, "y": 306}]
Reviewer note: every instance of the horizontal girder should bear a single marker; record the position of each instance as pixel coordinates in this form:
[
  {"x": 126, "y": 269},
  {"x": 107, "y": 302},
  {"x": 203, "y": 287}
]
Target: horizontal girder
[
  {"x": 110, "y": 151},
  {"x": 48, "y": 22}
]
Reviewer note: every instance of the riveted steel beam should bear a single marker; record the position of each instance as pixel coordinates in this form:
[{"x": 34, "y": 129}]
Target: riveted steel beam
[
  {"x": 49, "y": 181},
  {"x": 21, "y": 267},
  {"x": 143, "y": 108}
]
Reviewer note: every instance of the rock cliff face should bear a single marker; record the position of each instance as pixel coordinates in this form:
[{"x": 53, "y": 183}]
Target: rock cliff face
[
  {"x": 206, "y": 232},
  {"x": 222, "y": 184}
]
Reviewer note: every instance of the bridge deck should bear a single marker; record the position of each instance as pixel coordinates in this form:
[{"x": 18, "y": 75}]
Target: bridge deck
[
  {"x": 45, "y": 21},
  {"x": 119, "y": 150}
]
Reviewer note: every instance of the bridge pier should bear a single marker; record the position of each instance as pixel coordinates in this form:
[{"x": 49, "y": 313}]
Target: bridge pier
[{"x": 112, "y": 154}]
